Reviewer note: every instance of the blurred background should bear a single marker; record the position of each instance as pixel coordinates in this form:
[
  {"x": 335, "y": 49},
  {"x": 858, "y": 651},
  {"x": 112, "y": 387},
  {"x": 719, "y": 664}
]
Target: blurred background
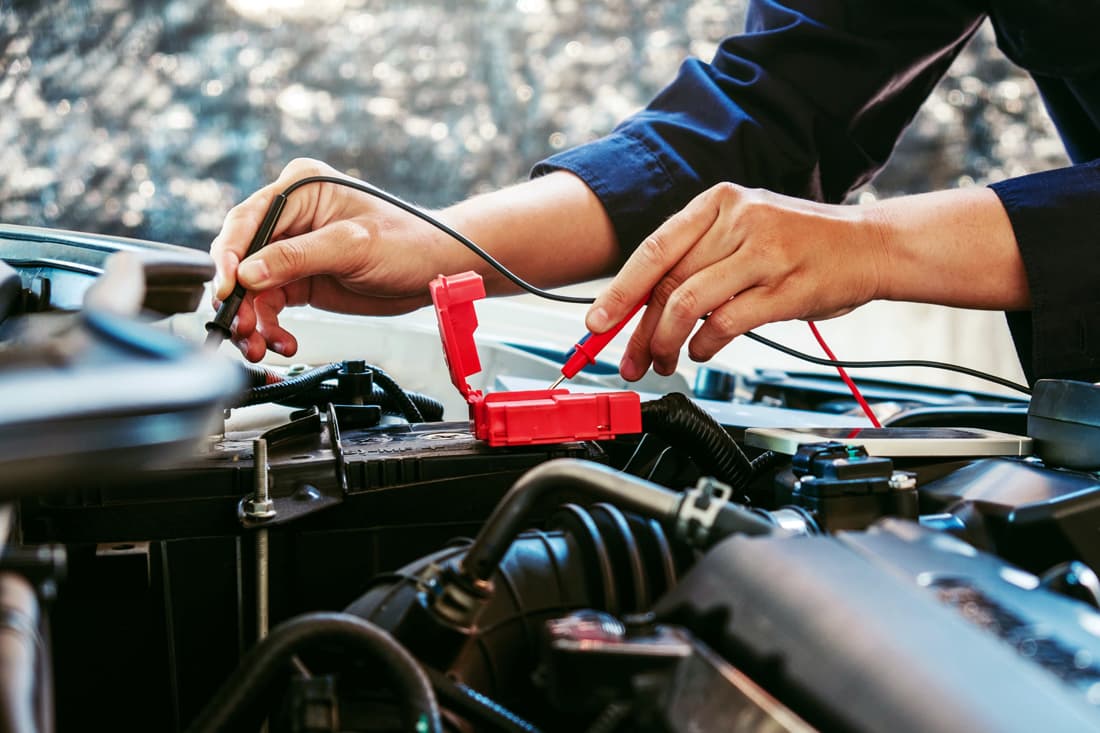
[{"x": 150, "y": 119}]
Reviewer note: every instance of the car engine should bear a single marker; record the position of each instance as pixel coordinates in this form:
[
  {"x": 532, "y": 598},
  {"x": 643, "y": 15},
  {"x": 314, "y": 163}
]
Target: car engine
[{"x": 194, "y": 544}]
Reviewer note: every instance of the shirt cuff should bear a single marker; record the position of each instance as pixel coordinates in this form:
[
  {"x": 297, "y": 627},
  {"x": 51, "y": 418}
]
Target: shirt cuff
[
  {"x": 1055, "y": 216},
  {"x": 628, "y": 177}
]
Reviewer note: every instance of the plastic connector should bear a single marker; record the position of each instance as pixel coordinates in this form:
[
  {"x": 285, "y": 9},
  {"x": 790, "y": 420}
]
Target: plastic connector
[{"x": 521, "y": 418}]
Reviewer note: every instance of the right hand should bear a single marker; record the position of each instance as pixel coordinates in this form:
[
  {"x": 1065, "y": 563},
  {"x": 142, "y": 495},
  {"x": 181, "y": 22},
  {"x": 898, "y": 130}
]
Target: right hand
[{"x": 333, "y": 247}]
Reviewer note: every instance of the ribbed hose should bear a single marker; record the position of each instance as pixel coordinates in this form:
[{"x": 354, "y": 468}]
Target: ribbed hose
[
  {"x": 288, "y": 387},
  {"x": 270, "y": 657},
  {"x": 763, "y": 462},
  {"x": 393, "y": 389},
  {"x": 259, "y": 376},
  {"x": 592, "y": 480},
  {"x": 430, "y": 408},
  {"x": 688, "y": 428},
  {"x": 415, "y": 408}
]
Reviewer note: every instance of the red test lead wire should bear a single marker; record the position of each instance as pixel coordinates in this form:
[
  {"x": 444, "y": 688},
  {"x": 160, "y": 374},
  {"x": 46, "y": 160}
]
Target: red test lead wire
[{"x": 844, "y": 375}]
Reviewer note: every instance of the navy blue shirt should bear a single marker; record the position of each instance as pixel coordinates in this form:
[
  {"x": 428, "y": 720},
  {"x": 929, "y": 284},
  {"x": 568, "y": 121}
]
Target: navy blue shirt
[{"x": 810, "y": 100}]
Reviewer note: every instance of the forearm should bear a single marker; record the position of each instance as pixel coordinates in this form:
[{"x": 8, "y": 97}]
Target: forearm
[
  {"x": 953, "y": 248},
  {"x": 550, "y": 231}
]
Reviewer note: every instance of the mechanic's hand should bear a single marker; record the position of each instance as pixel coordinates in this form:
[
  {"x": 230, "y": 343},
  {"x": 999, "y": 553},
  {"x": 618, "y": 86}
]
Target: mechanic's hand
[
  {"x": 747, "y": 257},
  {"x": 333, "y": 248}
]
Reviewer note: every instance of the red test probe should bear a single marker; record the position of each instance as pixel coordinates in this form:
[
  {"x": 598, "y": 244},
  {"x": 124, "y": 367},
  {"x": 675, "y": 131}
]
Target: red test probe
[{"x": 588, "y": 348}]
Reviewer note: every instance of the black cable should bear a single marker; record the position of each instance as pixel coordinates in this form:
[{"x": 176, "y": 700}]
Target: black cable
[
  {"x": 398, "y": 395},
  {"x": 476, "y": 707},
  {"x": 218, "y": 329},
  {"x": 260, "y": 667},
  {"x": 890, "y": 363}
]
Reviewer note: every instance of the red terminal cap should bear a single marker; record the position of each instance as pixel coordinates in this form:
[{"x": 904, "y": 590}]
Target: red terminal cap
[
  {"x": 454, "y": 298},
  {"x": 521, "y": 418}
]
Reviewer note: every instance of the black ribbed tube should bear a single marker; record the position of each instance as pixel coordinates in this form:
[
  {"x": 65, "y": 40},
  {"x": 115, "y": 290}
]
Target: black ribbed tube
[
  {"x": 414, "y": 407},
  {"x": 595, "y": 481},
  {"x": 400, "y": 399},
  {"x": 688, "y": 428},
  {"x": 270, "y": 657},
  {"x": 430, "y": 408},
  {"x": 259, "y": 376},
  {"x": 763, "y": 462},
  {"x": 287, "y": 387}
]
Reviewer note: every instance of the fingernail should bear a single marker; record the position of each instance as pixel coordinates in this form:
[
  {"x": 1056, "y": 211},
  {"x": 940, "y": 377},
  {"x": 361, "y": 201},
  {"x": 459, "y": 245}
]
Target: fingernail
[
  {"x": 252, "y": 273},
  {"x": 279, "y": 348},
  {"x": 628, "y": 369},
  {"x": 217, "y": 282},
  {"x": 598, "y": 320}
]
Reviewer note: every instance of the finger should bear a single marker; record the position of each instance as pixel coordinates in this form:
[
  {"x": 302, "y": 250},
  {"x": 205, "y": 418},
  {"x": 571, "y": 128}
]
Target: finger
[
  {"x": 253, "y": 346},
  {"x": 746, "y": 311},
  {"x": 244, "y": 323},
  {"x": 268, "y": 306},
  {"x": 225, "y": 273},
  {"x": 636, "y": 358},
  {"x": 326, "y": 251},
  {"x": 244, "y": 219},
  {"x": 656, "y": 256},
  {"x": 700, "y": 294}
]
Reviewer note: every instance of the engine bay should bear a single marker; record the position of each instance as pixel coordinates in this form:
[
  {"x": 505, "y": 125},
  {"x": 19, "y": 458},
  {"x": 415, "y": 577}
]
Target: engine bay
[{"x": 221, "y": 547}]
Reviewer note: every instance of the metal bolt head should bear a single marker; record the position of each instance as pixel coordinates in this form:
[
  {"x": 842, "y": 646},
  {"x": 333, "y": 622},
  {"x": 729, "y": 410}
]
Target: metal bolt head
[
  {"x": 902, "y": 480},
  {"x": 259, "y": 508}
]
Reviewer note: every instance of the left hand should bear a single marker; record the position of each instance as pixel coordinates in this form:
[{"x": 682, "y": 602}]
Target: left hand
[{"x": 747, "y": 257}]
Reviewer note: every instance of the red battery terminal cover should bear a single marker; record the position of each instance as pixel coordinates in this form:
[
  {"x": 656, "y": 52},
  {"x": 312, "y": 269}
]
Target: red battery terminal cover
[{"x": 528, "y": 417}]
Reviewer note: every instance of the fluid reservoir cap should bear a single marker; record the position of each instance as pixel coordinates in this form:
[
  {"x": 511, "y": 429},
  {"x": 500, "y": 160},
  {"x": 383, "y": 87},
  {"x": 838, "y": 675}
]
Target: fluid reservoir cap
[{"x": 1064, "y": 421}]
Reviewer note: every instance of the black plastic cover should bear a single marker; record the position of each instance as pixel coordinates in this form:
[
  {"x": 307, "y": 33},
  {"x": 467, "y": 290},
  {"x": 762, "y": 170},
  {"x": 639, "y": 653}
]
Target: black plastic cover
[
  {"x": 1029, "y": 514},
  {"x": 870, "y": 631},
  {"x": 174, "y": 276},
  {"x": 1064, "y": 421},
  {"x": 94, "y": 394}
]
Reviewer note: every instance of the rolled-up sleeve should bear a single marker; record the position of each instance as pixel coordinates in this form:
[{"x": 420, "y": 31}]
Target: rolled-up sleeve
[{"x": 809, "y": 101}]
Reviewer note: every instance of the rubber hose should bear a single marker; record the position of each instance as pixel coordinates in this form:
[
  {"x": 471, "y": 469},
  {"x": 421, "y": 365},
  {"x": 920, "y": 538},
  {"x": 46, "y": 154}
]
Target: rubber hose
[
  {"x": 265, "y": 661},
  {"x": 280, "y": 390},
  {"x": 592, "y": 480},
  {"x": 687, "y": 427},
  {"x": 472, "y": 705}
]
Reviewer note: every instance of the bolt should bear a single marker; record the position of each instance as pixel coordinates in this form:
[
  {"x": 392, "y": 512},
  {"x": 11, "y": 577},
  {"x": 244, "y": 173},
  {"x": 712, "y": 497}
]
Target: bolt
[
  {"x": 260, "y": 506},
  {"x": 902, "y": 480}
]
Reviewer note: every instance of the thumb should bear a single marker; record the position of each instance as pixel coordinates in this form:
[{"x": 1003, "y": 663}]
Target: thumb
[{"x": 314, "y": 253}]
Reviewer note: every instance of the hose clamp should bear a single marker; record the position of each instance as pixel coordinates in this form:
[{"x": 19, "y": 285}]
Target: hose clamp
[{"x": 699, "y": 509}]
